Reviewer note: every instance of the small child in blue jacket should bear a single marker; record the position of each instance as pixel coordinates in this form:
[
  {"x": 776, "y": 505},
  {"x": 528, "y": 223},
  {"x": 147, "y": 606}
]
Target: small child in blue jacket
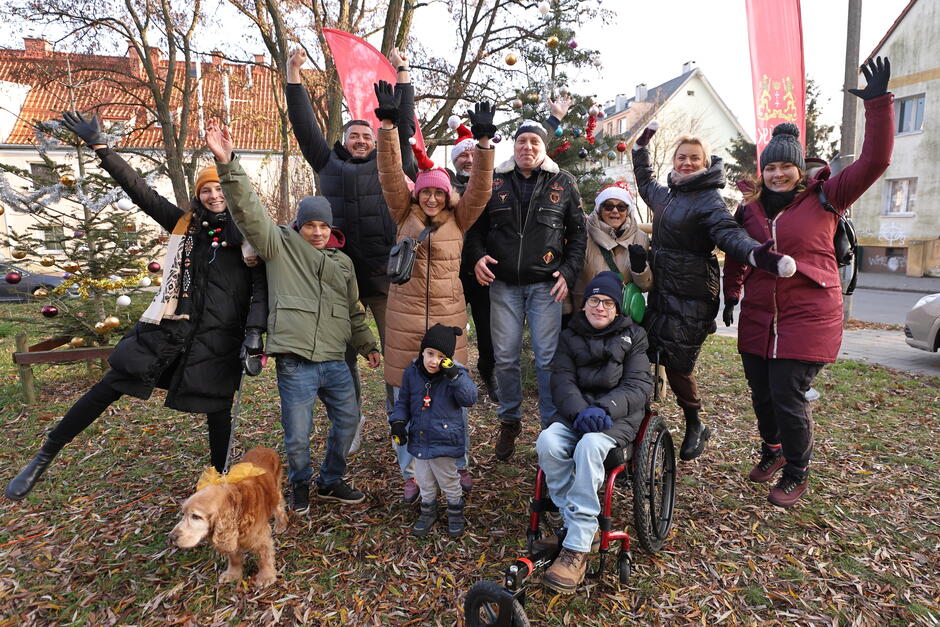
[{"x": 428, "y": 417}]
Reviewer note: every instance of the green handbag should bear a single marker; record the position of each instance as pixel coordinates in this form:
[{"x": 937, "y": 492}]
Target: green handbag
[{"x": 633, "y": 303}]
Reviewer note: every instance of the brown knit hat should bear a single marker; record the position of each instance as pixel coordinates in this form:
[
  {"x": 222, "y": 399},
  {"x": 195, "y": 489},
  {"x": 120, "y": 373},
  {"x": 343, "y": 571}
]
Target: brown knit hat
[{"x": 206, "y": 175}]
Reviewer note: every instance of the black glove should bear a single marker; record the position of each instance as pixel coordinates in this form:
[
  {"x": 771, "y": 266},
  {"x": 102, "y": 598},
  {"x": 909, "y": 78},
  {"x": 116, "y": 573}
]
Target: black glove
[
  {"x": 400, "y": 432},
  {"x": 388, "y": 102},
  {"x": 87, "y": 129},
  {"x": 727, "y": 313},
  {"x": 770, "y": 261},
  {"x": 449, "y": 368},
  {"x": 481, "y": 120},
  {"x": 637, "y": 258},
  {"x": 877, "y": 73},
  {"x": 251, "y": 352}
]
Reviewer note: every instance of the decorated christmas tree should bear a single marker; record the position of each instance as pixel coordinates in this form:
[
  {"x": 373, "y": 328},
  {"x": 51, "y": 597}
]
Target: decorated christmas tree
[{"x": 82, "y": 226}]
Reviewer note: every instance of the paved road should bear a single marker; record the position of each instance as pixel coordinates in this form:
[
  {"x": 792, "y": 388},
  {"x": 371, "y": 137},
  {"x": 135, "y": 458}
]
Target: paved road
[{"x": 882, "y": 305}]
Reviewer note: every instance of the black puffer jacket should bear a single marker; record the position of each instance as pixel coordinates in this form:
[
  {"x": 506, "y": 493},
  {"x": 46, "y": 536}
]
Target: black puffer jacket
[
  {"x": 352, "y": 187},
  {"x": 196, "y": 360},
  {"x": 689, "y": 220},
  {"x": 551, "y": 238},
  {"x": 607, "y": 368}
]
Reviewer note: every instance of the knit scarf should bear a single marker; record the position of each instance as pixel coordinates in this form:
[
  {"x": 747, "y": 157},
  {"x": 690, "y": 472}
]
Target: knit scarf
[
  {"x": 773, "y": 201},
  {"x": 677, "y": 178},
  {"x": 173, "y": 300}
]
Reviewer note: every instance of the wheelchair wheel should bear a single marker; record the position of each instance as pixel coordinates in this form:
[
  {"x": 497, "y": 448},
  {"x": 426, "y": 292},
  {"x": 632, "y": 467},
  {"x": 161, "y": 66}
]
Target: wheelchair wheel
[
  {"x": 654, "y": 485},
  {"x": 483, "y": 607}
]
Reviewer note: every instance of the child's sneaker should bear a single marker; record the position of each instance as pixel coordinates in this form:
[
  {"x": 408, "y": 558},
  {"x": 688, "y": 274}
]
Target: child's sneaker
[
  {"x": 466, "y": 481},
  {"x": 426, "y": 520},
  {"x": 340, "y": 492},
  {"x": 455, "y": 519}
]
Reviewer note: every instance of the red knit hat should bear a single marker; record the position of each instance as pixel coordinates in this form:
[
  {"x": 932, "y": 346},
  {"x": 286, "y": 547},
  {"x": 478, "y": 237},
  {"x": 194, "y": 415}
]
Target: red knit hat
[
  {"x": 429, "y": 175},
  {"x": 465, "y": 139}
]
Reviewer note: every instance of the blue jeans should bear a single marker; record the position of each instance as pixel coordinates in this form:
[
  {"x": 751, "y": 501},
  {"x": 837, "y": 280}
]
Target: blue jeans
[
  {"x": 574, "y": 470},
  {"x": 298, "y": 382},
  {"x": 510, "y": 307},
  {"x": 405, "y": 458}
]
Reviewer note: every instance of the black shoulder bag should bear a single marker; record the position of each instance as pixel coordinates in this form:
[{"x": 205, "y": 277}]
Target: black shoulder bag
[
  {"x": 401, "y": 258},
  {"x": 844, "y": 241}
]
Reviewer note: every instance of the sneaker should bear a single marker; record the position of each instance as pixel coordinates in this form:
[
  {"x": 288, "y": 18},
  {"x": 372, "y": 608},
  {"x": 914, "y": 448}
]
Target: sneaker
[
  {"x": 300, "y": 497},
  {"x": 466, "y": 481},
  {"x": 357, "y": 439},
  {"x": 506, "y": 440},
  {"x": 770, "y": 462},
  {"x": 411, "y": 491},
  {"x": 340, "y": 492},
  {"x": 788, "y": 490},
  {"x": 567, "y": 571}
]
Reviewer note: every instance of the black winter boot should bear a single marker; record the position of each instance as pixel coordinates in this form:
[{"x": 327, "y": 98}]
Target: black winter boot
[
  {"x": 23, "y": 483},
  {"x": 696, "y": 435},
  {"x": 455, "y": 519},
  {"x": 426, "y": 520}
]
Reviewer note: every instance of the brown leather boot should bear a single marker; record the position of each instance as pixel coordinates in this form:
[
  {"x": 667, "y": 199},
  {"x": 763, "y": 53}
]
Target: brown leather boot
[
  {"x": 506, "y": 440},
  {"x": 552, "y": 540},
  {"x": 770, "y": 462},
  {"x": 567, "y": 571}
]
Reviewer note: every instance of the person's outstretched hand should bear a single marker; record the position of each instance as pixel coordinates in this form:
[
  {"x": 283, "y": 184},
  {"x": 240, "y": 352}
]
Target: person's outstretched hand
[
  {"x": 296, "y": 60},
  {"x": 396, "y": 58},
  {"x": 877, "y": 73},
  {"x": 559, "y": 107},
  {"x": 219, "y": 140},
  {"x": 647, "y": 134},
  {"x": 87, "y": 129},
  {"x": 481, "y": 120},
  {"x": 773, "y": 262},
  {"x": 388, "y": 100}
]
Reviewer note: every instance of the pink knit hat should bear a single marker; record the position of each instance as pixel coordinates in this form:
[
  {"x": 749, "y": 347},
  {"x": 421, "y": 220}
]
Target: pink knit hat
[{"x": 429, "y": 175}]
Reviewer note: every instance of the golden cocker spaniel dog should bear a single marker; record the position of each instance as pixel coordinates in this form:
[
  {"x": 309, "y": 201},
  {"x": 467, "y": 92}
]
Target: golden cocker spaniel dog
[{"x": 233, "y": 512}]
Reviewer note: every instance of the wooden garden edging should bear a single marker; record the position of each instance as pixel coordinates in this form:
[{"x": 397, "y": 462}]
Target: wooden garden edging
[{"x": 43, "y": 353}]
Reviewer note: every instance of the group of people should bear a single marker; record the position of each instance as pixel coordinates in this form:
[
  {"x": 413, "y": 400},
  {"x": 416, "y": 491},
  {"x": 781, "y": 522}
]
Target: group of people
[{"x": 512, "y": 240}]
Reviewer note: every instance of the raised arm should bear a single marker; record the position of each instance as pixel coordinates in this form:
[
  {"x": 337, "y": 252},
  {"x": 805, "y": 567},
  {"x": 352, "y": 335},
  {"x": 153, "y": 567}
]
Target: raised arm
[
  {"x": 653, "y": 193},
  {"x": 407, "y": 125},
  {"x": 480, "y": 186},
  {"x": 300, "y": 112},
  {"x": 391, "y": 176}
]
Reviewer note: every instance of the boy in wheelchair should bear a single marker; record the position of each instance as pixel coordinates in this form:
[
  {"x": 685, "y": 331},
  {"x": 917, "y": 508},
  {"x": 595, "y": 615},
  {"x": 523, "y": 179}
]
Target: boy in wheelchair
[{"x": 601, "y": 386}]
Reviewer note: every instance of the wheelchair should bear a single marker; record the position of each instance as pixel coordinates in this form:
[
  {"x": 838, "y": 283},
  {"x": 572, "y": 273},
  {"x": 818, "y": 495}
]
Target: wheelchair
[{"x": 648, "y": 465}]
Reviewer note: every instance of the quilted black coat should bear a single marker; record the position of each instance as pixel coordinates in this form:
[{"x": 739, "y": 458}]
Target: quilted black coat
[{"x": 197, "y": 360}]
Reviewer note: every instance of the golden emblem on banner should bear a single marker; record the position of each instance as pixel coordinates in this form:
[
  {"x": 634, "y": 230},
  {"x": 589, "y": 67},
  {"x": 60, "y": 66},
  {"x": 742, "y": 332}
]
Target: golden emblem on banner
[{"x": 776, "y": 100}]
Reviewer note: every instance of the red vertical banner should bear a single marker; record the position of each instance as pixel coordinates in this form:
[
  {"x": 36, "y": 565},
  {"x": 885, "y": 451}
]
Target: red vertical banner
[
  {"x": 775, "y": 33},
  {"x": 359, "y": 65}
]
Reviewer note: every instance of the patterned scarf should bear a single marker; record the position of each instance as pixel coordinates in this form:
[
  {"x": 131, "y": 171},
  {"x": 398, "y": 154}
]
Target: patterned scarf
[{"x": 173, "y": 300}]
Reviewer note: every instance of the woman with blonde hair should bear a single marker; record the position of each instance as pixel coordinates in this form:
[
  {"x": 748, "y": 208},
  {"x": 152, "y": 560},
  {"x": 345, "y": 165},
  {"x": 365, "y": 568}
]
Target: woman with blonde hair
[{"x": 689, "y": 220}]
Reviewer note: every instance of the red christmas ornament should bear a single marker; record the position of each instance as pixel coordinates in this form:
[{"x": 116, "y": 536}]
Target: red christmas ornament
[
  {"x": 565, "y": 145},
  {"x": 49, "y": 311},
  {"x": 589, "y": 131},
  {"x": 153, "y": 266},
  {"x": 427, "y": 401},
  {"x": 621, "y": 147},
  {"x": 13, "y": 278}
]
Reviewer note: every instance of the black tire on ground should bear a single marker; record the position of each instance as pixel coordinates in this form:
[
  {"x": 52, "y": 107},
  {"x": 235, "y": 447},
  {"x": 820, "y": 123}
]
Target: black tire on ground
[
  {"x": 481, "y": 607},
  {"x": 654, "y": 485},
  {"x": 624, "y": 566}
]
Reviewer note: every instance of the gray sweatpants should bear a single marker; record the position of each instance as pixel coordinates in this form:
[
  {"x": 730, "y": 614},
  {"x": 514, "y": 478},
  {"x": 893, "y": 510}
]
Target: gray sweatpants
[{"x": 440, "y": 471}]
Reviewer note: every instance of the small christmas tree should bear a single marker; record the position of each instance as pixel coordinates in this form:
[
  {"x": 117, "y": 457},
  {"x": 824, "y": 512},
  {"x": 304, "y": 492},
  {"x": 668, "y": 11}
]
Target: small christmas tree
[{"x": 103, "y": 251}]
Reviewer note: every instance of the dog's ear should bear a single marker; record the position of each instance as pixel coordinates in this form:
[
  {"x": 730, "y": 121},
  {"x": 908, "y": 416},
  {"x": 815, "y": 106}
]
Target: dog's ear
[{"x": 225, "y": 524}]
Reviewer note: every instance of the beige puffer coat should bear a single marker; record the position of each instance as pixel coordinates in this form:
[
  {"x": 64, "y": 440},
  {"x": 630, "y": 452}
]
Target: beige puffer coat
[
  {"x": 434, "y": 293},
  {"x": 602, "y": 236}
]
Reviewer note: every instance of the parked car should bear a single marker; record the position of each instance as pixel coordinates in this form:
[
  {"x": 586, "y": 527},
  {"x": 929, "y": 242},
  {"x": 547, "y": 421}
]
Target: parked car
[
  {"x": 922, "y": 329},
  {"x": 30, "y": 282}
]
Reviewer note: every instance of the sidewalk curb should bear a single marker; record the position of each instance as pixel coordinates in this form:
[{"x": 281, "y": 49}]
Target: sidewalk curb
[{"x": 910, "y": 290}]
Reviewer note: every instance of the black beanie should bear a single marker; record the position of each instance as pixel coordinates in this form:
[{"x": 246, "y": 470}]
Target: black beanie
[
  {"x": 531, "y": 126},
  {"x": 442, "y": 339},
  {"x": 784, "y": 146},
  {"x": 605, "y": 283},
  {"x": 314, "y": 208}
]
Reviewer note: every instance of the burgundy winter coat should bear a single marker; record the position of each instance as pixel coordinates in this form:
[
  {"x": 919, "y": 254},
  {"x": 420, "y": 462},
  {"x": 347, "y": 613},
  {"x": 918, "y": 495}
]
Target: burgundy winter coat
[{"x": 801, "y": 317}]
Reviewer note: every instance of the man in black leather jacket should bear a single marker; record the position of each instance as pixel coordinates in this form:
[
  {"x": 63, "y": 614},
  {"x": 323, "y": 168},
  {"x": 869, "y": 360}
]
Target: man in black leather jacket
[{"x": 529, "y": 246}]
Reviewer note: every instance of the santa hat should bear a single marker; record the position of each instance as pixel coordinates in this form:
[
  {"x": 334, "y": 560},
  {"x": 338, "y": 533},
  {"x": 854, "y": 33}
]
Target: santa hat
[
  {"x": 429, "y": 175},
  {"x": 617, "y": 191},
  {"x": 465, "y": 139}
]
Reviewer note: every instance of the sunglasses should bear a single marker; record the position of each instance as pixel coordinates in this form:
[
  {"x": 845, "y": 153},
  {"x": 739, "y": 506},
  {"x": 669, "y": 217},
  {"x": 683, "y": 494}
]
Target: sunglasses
[{"x": 622, "y": 208}]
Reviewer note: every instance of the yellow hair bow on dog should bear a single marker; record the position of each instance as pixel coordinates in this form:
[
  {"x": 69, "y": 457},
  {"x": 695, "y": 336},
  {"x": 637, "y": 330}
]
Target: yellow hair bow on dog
[{"x": 211, "y": 476}]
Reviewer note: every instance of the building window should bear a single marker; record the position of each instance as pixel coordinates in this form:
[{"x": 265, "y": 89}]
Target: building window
[
  {"x": 42, "y": 175},
  {"x": 690, "y": 92},
  {"x": 52, "y": 237},
  {"x": 620, "y": 125},
  {"x": 901, "y": 194},
  {"x": 909, "y": 114}
]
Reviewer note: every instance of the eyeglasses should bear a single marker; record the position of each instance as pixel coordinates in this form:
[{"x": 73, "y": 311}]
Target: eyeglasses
[
  {"x": 596, "y": 301},
  {"x": 622, "y": 208}
]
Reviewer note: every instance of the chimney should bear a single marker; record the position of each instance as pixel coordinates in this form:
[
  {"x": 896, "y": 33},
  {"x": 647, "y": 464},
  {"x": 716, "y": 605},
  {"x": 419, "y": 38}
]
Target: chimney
[
  {"x": 136, "y": 66},
  {"x": 641, "y": 92},
  {"x": 688, "y": 66},
  {"x": 36, "y": 47},
  {"x": 154, "y": 53},
  {"x": 620, "y": 102},
  {"x": 216, "y": 57}
]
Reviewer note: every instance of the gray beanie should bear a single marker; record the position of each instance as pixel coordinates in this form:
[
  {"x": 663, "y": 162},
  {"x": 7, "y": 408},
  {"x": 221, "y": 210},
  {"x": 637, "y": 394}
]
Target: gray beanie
[
  {"x": 531, "y": 126},
  {"x": 784, "y": 146},
  {"x": 314, "y": 208}
]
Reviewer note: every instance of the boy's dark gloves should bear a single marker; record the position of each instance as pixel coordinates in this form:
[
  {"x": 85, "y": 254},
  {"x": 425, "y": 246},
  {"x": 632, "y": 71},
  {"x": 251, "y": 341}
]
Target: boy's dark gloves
[
  {"x": 637, "y": 258},
  {"x": 877, "y": 73},
  {"x": 449, "y": 368},
  {"x": 481, "y": 120},
  {"x": 727, "y": 313},
  {"x": 400, "y": 432},
  {"x": 592, "y": 419},
  {"x": 87, "y": 129},
  {"x": 389, "y": 102}
]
